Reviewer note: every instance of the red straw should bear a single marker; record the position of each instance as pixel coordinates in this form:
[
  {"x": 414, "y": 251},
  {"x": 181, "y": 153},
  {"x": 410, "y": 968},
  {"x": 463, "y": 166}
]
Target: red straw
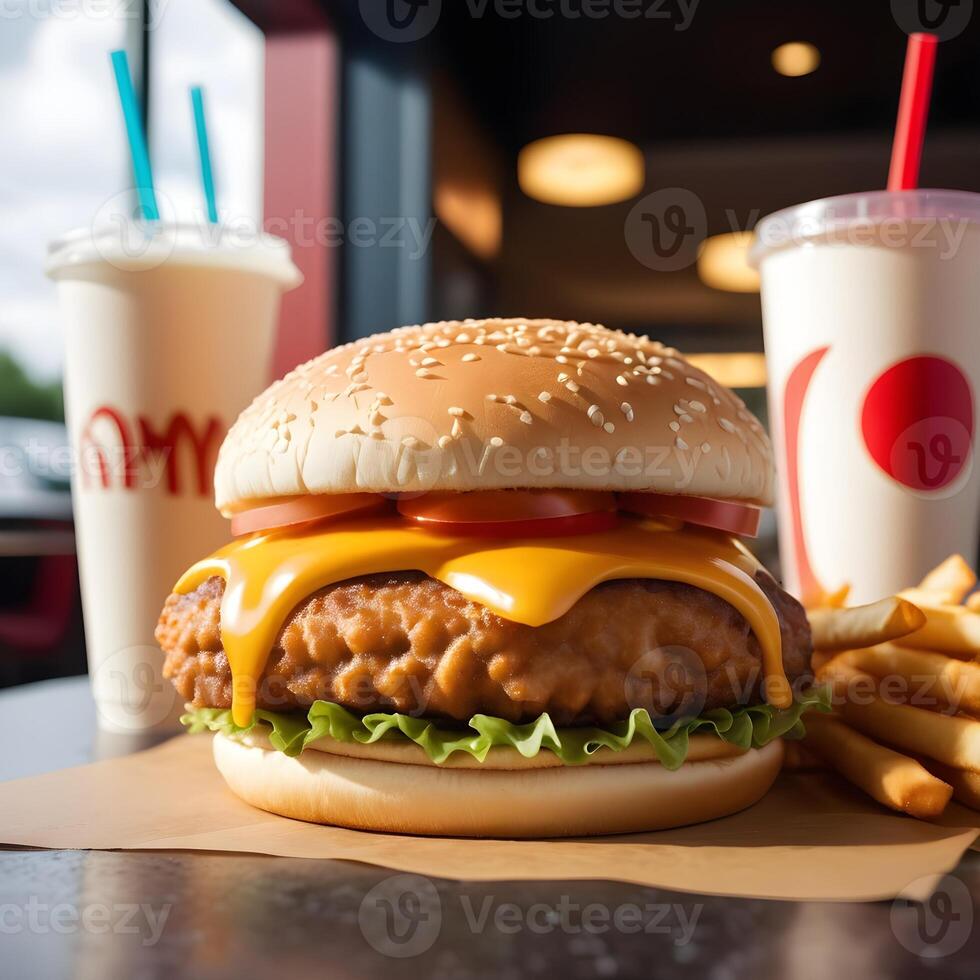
[{"x": 913, "y": 111}]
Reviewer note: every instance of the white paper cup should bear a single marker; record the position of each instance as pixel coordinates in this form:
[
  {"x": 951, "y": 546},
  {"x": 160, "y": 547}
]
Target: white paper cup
[
  {"x": 870, "y": 304},
  {"x": 168, "y": 335}
]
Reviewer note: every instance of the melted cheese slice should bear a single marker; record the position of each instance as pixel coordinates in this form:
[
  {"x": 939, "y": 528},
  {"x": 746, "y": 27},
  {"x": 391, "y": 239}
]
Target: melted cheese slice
[{"x": 528, "y": 580}]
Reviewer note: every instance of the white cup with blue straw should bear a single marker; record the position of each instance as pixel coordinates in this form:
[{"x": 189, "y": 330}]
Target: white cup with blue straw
[{"x": 169, "y": 330}]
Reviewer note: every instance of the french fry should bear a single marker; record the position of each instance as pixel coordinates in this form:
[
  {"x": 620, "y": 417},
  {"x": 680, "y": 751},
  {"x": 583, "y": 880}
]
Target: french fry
[
  {"x": 951, "y": 739},
  {"x": 951, "y": 629},
  {"x": 954, "y": 683},
  {"x": 864, "y": 626},
  {"x": 966, "y": 785},
  {"x": 889, "y": 777},
  {"x": 950, "y": 581}
]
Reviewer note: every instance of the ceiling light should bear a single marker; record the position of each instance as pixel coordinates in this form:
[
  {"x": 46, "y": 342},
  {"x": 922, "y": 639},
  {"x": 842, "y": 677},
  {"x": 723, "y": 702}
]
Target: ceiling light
[
  {"x": 580, "y": 170},
  {"x": 795, "y": 59},
  {"x": 723, "y": 263},
  {"x": 472, "y": 213},
  {"x": 742, "y": 370}
]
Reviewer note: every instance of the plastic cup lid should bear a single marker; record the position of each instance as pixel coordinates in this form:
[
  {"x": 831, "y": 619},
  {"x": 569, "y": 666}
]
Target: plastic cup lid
[
  {"x": 804, "y": 223},
  {"x": 136, "y": 246}
]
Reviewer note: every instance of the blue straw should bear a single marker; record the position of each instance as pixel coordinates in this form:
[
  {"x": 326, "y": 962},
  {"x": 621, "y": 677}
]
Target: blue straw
[
  {"x": 207, "y": 175},
  {"x": 137, "y": 138}
]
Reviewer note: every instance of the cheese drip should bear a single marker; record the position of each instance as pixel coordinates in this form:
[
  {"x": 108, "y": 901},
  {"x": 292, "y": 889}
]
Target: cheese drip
[{"x": 527, "y": 580}]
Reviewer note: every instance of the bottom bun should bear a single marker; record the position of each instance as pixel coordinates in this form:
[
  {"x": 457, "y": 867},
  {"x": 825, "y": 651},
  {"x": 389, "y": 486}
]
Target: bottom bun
[{"x": 572, "y": 801}]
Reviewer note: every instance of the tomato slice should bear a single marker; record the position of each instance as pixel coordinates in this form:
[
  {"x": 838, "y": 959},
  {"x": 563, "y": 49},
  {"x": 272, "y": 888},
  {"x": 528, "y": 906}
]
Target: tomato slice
[
  {"x": 288, "y": 511},
  {"x": 514, "y": 513},
  {"x": 501, "y": 506},
  {"x": 722, "y": 515},
  {"x": 539, "y": 527}
]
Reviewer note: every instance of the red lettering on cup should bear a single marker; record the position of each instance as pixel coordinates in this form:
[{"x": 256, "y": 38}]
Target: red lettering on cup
[
  {"x": 794, "y": 394},
  {"x": 108, "y": 450},
  {"x": 917, "y": 422}
]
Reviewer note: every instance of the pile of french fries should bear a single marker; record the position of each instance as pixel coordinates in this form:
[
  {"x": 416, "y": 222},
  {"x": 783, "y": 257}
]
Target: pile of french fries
[{"x": 905, "y": 678}]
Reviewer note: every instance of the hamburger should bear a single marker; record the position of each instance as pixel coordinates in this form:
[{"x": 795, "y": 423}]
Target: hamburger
[{"x": 487, "y": 578}]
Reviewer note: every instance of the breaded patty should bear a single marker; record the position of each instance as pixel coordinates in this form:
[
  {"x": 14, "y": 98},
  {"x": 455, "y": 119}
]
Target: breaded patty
[{"x": 407, "y": 642}]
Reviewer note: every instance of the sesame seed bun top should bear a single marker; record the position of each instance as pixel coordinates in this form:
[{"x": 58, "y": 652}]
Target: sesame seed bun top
[{"x": 497, "y": 403}]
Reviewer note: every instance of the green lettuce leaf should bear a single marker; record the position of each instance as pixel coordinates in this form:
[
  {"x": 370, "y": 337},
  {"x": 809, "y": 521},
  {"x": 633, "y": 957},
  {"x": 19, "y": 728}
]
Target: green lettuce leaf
[{"x": 290, "y": 732}]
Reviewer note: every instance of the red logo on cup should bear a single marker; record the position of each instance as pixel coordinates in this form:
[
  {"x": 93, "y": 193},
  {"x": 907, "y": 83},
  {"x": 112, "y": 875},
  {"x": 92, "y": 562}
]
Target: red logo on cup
[
  {"x": 917, "y": 422},
  {"x": 116, "y": 451}
]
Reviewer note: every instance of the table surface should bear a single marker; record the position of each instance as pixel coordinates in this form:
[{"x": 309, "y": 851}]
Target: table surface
[{"x": 131, "y": 915}]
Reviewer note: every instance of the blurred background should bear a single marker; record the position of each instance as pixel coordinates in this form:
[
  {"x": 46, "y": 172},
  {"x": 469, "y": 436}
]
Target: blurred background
[{"x": 585, "y": 159}]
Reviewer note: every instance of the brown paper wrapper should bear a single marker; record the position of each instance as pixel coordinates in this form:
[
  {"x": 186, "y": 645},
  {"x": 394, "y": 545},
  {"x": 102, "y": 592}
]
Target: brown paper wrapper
[{"x": 811, "y": 838}]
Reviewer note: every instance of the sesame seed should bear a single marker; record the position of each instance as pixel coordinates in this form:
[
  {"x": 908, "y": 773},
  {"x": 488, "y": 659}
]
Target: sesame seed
[
  {"x": 561, "y": 359},
  {"x": 562, "y": 377},
  {"x": 444, "y": 441},
  {"x": 544, "y": 396},
  {"x": 572, "y": 387},
  {"x": 698, "y": 406},
  {"x": 493, "y": 398},
  {"x": 423, "y": 373},
  {"x": 510, "y": 399},
  {"x": 675, "y": 426},
  {"x": 695, "y": 383},
  {"x": 706, "y": 447},
  {"x": 726, "y": 425},
  {"x": 496, "y": 442},
  {"x": 627, "y": 410},
  {"x": 429, "y": 361},
  {"x": 526, "y": 418},
  {"x": 469, "y": 358},
  {"x": 609, "y": 427},
  {"x": 456, "y": 411},
  {"x": 621, "y": 380},
  {"x": 681, "y": 444},
  {"x": 595, "y": 415}
]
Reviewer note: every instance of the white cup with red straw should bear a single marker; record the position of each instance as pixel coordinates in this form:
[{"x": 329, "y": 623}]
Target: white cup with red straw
[
  {"x": 870, "y": 306},
  {"x": 168, "y": 333}
]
